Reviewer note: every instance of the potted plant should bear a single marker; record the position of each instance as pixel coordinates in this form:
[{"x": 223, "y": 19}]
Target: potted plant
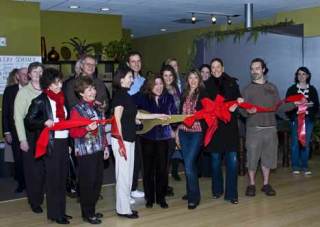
[
  {"x": 118, "y": 49},
  {"x": 80, "y": 47}
]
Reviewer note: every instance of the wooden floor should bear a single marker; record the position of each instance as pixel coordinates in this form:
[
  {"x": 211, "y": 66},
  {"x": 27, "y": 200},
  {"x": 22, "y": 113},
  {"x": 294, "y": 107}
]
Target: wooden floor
[{"x": 297, "y": 204}]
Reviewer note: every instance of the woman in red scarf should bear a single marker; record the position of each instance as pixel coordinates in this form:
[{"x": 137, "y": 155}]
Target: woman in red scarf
[{"x": 46, "y": 109}]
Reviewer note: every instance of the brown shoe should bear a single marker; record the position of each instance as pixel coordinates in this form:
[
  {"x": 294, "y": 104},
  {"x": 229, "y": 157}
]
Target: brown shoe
[
  {"x": 268, "y": 190},
  {"x": 251, "y": 190}
]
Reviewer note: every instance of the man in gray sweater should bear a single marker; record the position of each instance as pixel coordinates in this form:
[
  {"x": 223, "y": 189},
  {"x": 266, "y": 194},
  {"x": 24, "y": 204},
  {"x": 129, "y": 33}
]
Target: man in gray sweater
[{"x": 261, "y": 130}]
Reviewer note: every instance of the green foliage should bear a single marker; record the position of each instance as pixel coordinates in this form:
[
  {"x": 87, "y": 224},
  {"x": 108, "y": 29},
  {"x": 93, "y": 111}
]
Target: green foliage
[
  {"x": 118, "y": 49},
  {"x": 79, "y": 46},
  {"x": 237, "y": 34}
]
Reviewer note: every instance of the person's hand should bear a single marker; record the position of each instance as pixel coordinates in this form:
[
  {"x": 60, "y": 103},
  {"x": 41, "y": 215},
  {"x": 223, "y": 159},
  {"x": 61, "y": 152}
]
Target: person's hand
[
  {"x": 163, "y": 116},
  {"x": 24, "y": 146},
  {"x": 138, "y": 122},
  {"x": 8, "y": 138},
  {"x": 252, "y": 110},
  {"x": 49, "y": 123},
  {"x": 233, "y": 107},
  {"x": 92, "y": 126},
  {"x": 106, "y": 153},
  {"x": 122, "y": 152},
  {"x": 240, "y": 100}
]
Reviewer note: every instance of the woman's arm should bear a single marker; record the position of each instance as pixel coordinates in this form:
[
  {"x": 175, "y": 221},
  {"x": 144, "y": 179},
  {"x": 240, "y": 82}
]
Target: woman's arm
[
  {"x": 118, "y": 111},
  {"x": 77, "y": 132},
  {"x": 34, "y": 118}
]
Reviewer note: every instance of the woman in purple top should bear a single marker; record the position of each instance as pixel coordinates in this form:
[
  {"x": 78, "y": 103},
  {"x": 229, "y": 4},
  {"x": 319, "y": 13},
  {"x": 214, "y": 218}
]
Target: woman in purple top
[{"x": 155, "y": 99}]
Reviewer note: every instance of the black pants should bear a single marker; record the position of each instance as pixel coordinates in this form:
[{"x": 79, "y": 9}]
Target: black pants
[
  {"x": 90, "y": 182},
  {"x": 56, "y": 166},
  {"x": 137, "y": 164},
  {"x": 18, "y": 160},
  {"x": 34, "y": 175},
  {"x": 155, "y": 159}
]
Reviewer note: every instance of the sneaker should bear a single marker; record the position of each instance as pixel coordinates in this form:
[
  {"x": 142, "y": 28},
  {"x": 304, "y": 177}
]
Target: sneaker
[
  {"x": 307, "y": 173},
  {"x": 251, "y": 190},
  {"x": 132, "y": 201},
  {"x": 268, "y": 190},
  {"x": 296, "y": 172},
  {"x": 137, "y": 194}
]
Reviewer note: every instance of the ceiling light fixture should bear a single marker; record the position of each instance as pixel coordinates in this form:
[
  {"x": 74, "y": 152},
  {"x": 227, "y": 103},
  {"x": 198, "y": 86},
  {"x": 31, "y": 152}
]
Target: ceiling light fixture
[
  {"x": 105, "y": 9},
  {"x": 193, "y": 18},
  {"x": 74, "y": 7},
  {"x": 213, "y": 16},
  {"x": 163, "y": 29},
  {"x": 213, "y": 19},
  {"x": 229, "y": 21}
]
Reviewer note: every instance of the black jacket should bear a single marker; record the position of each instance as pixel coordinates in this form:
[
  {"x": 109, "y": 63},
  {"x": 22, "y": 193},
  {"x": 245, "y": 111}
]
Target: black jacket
[
  {"x": 39, "y": 112},
  {"x": 313, "y": 97},
  {"x": 9, "y": 96},
  {"x": 226, "y": 137}
]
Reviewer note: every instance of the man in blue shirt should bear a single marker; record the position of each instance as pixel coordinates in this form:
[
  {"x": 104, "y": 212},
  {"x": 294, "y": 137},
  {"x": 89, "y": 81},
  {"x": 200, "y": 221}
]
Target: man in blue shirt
[{"x": 134, "y": 62}]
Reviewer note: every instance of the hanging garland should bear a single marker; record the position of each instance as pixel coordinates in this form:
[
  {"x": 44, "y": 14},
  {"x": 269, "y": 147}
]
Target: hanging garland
[{"x": 237, "y": 34}]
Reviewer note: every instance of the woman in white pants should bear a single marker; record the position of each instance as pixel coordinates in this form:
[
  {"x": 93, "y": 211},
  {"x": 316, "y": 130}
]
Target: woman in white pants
[{"x": 125, "y": 112}]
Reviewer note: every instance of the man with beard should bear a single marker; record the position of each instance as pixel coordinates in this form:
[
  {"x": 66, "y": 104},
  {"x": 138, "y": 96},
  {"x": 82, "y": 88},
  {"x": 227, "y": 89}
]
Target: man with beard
[{"x": 261, "y": 130}]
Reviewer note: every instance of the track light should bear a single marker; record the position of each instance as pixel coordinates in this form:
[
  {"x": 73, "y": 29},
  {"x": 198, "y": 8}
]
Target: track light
[
  {"x": 193, "y": 18},
  {"x": 213, "y": 19},
  {"x": 229, "y": 21}
]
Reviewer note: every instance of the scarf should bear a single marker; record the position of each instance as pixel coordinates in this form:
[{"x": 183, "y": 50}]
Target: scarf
[{"x": 59, "y": 100}]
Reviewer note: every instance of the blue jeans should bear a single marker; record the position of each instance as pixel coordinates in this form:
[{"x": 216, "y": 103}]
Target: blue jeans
[
  {"x": 190, "y": 147},
  {"x": 231, "y": 184},
  {"x": 299, "y": 154}
]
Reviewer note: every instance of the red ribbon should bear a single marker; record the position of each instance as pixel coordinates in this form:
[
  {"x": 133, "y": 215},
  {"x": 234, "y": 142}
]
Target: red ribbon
[
  {"x": 43, "y": 140},
  {"x": 217, "y": 109}
]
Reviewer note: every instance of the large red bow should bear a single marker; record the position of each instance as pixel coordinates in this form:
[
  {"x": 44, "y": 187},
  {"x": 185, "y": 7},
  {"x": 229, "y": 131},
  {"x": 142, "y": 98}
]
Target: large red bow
[
  {"x": 217, "y": 109},
  {"x": 43, "y": 140}
]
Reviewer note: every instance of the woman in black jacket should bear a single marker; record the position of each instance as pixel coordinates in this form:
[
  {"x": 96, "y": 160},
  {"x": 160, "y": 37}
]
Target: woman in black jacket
[
  {"x": 225, "y": 141},
  {"x": 300, "y": 154},
  {"x": 46, "y": 109}
]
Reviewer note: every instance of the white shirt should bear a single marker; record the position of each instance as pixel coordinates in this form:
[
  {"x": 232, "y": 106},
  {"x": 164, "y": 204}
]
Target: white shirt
[{"x": 63, "y": 134}]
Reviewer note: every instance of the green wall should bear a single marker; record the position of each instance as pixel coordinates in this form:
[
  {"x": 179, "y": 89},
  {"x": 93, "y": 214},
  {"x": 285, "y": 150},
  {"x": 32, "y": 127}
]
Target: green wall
[
  {"x": 155, "y": 49},
  {"x": 20, "y": 24},
  {"x": 58, "y": 27}
]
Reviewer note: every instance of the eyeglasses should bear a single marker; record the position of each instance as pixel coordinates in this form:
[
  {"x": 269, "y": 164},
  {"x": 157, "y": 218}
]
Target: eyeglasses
[{"x": 89, "y": 64}]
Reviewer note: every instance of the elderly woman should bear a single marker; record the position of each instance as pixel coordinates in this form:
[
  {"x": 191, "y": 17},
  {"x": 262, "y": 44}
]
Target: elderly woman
[
  {"x": 190, "y": 139},
  {"x": 155, "y": 143},
  {"x": 300, "y": 154},
  {"x": 44, "y": 111},
  {"x": 90, "y": 147},
  {"x": 125, "y": 112}
]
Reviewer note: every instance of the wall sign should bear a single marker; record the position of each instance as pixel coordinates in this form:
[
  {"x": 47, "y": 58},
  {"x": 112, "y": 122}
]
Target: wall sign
[{"x": 8, "y": 63}]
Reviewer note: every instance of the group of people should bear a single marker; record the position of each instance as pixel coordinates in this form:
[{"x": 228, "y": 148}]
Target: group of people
[{"x": 30, "y": 106}]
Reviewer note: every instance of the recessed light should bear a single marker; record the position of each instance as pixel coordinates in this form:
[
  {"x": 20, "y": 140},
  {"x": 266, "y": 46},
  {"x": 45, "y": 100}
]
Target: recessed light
[
  {"x": 163, "y": 29},
  {"x": 131, "y": 35},
  {"x": 74, "y": 7},
  {"x": 105, "y": 9}
]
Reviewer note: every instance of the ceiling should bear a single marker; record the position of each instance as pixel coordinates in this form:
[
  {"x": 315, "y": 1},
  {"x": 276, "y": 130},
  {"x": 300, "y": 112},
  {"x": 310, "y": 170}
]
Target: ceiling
[{"x": 148, "y": 17}]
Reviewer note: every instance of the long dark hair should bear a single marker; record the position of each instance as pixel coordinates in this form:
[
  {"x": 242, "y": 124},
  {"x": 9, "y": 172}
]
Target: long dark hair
[
  {"x": 198, "y": 89},
  {"x": 174, "y": 74},
  {"x": 149, "y": 85},
  {"x": 120, "y": 74}
]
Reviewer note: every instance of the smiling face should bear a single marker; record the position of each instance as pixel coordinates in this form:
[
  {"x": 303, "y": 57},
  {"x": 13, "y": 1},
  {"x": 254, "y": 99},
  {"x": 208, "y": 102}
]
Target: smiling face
[
  {"x": 56, "y": 86},
  {"x": 167, "y": 77},
  {"x": 302, "y": 77},
  {"x": 216, "y": 69},
  {"x": 36, "y": 74},
  {"x": 88, "y": 66},
  {"x": 205, "y": 73},
  {"x": 89, "y": 94},
  {"x": 127, "y": 81},
  {"x": 193, "y": 81},
  {"x": 135, "y": 63},
  {"x": 158, "y": 87}
]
